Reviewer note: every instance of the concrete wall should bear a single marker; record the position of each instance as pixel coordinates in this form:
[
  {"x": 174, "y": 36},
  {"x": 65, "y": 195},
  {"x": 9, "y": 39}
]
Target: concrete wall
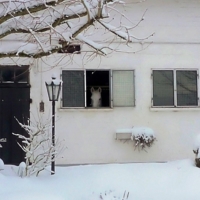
[{"x": 89, "y": 135}]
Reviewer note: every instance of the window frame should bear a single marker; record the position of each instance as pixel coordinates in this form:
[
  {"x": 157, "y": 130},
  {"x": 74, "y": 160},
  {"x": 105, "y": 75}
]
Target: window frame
[
  {"x": 15, "y": 69},
  {"x": 110, "y": 88},
  {"x": 133, "y": 87},
  {"x": 174, "y": 70},
  {"x": 110, "y": 71}
]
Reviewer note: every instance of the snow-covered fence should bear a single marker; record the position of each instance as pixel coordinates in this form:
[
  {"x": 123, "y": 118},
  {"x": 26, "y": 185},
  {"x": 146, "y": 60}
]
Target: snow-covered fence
[{"x": 142, "y": 136}]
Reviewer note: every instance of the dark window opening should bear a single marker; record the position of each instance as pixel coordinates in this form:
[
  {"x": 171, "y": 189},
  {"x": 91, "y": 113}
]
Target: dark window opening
[
  {"x": 21, "y": 75},
  {"x": 7, "y": 75},
  {"x": 98, "y": 79},
  {"x": 70, "y": 48},
  {"x": 14, "y": 74}
]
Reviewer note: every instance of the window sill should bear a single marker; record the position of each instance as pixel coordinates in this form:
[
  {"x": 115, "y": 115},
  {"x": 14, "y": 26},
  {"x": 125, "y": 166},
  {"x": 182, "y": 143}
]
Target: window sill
[
  {"x": 85, "y": 109},
  {"x": 177, "y": 109}
]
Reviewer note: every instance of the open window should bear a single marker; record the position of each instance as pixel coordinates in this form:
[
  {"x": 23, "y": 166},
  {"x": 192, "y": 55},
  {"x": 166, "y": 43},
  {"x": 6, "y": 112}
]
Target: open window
[
  {"x": 97, "y": 88},
  {"x": 99, "y": 82}
]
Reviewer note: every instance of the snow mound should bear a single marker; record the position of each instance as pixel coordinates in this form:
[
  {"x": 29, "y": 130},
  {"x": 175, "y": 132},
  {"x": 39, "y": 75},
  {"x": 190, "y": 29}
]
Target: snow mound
[
  {"x": 33, "y": 196},
  {"x": 1, "y": 164}
]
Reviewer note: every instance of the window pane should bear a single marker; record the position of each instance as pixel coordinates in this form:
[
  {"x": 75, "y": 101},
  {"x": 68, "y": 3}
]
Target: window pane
[
  {"x": 7, "y": 75},
  {"x": 14, "y": 74},
  {"x": 73, "y": 89},
  {"x": 123, "y": 88},
  {"x": 21, "y": 75},
  {"x": 163, "y": 92},
  {"x": 186, "y": 88}
]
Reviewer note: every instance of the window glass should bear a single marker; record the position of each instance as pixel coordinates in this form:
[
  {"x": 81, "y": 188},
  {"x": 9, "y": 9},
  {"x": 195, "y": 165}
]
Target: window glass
[
  {"x": 73, "y": 89},
  {"x": 14, "y": 74},
  {"x": 163, "y": 91},
  {"x": 123, "y": 88},
  {"x": 21, "y": 75},
  {"x": 7, "y": 75},
  {"x": 186, "y": 88}
]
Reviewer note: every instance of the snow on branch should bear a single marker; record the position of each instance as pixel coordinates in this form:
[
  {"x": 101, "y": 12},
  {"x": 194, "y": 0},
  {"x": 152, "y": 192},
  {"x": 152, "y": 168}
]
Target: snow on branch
[
  {"x": 126, "y": 35},
  {"x": 87, "y": 7},
  {"x": 37, "y": 26},
  {"x": 12, "y": 8},
  {"x": 96, "y": 46}
]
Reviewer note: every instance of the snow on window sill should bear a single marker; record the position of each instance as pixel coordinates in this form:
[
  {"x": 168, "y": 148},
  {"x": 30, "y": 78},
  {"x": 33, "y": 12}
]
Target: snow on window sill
[
  {"x": 123, "y": 135},
  {"x": 134, "y": 132},
  {"x": 173, "y": 109}
]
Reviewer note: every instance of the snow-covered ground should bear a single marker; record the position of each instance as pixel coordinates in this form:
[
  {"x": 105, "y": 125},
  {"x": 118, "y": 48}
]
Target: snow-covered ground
[{"x": 150, "y": 181}]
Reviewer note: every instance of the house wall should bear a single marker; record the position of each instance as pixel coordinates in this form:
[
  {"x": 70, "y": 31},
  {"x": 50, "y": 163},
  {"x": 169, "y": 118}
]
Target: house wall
[{"x": 89, "y": 134}]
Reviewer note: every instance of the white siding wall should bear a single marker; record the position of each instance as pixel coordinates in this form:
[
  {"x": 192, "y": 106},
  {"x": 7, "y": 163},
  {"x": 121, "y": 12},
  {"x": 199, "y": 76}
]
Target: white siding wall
[{"x": 90, "y": 134}]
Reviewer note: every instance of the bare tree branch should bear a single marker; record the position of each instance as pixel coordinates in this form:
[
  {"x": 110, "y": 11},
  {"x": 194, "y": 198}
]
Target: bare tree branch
[
  {"x": 37, "y": 27},
  {"x": 25, "y": 11}
]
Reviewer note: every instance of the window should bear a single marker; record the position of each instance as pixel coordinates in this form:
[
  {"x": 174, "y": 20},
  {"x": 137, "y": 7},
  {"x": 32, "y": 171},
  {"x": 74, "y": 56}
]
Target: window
[
  {"x": 173, "y": 88},
  {"x": 70, "y": 49},
  {"x": 123, "y": 88},
  {"x": 14, "y": 74},
  {"x": 97, "y": 88}
]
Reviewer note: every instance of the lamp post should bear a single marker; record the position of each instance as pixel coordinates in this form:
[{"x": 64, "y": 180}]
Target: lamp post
[{"x": 53, "y": 90}]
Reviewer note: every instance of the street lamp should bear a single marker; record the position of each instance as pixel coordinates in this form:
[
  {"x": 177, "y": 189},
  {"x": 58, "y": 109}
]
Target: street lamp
[{"x": 53, "y": 90}]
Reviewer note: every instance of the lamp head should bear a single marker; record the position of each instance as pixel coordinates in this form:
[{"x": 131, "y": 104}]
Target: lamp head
[{"x": 53, "y": 88}]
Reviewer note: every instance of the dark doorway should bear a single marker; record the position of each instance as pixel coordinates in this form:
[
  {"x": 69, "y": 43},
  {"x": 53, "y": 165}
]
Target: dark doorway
[{"x": 14, "y": 104}]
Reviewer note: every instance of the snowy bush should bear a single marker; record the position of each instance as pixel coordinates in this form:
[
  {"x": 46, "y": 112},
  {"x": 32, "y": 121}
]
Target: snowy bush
[
  {"x": 111, "y": 195},
  {"x": 38, "y": 148},
  {"x": 196, "y": 150},
  {"x": 143, "y": 137}
]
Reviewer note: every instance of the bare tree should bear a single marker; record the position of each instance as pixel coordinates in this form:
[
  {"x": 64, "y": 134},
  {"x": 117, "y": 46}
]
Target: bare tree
[
  {"x": 37, "y": 146},
  {"x": 42, "y": 27}
]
